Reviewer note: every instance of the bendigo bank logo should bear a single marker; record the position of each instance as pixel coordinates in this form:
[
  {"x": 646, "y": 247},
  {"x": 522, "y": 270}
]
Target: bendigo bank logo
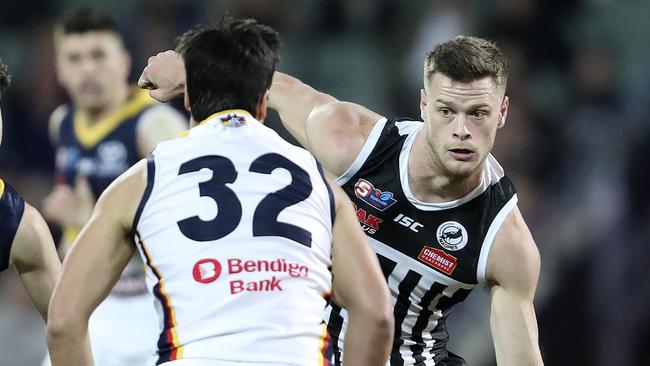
[
  {"x": 373, "y": 196},
  {"x": 208, "y": 270}
]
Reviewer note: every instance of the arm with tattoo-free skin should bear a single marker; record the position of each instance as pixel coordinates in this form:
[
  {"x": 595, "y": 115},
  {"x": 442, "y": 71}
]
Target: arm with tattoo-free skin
[
  {"x": 92, "y": 267},
  {"x": 512, "y": 273},
  {"x": 332, "y": 130},
  {"x": 34, "y": 255}
]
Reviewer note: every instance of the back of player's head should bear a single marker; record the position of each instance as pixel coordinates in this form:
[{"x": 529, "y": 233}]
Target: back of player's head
[
  {"x": 5, "y": 78},
  {"x": 229, "y": 65},
  {"x": 466, "y": 59},
  {"x": 85, "y": 20}
]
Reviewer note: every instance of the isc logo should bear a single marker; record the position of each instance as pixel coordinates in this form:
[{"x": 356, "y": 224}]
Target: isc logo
[{"x": 408, "y": 222}]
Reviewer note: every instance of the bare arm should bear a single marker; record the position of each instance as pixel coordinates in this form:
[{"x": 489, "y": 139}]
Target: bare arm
[
  {"x": 333, "y": 131},
  {"x": 336, "y": 133},
  {"x": 91, "y": 268},
  {"x": 359, "y": 287},
  {"x": 294, "y": 101},
  {"x": 34, "y": 255},
  {"x": 512, "y": 272}
]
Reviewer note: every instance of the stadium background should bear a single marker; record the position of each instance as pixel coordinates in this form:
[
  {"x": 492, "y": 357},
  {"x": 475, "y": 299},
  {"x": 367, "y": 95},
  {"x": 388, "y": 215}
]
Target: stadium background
[{"x": 575, "y": 141}]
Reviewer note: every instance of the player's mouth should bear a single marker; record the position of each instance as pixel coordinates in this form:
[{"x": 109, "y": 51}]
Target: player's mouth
[
  {"x": 91, "y": 87},
  {"x": 461, "y": 154}
]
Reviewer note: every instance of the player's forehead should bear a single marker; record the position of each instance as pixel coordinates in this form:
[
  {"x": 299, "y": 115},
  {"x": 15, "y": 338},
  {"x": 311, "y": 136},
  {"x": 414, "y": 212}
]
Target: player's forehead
[
  {"x": 483, "y": 90},
  {"x": 87, "y": 41}
]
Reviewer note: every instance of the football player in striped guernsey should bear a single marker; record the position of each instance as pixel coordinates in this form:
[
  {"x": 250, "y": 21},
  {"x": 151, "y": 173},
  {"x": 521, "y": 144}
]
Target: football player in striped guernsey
[
  {"x": 238, "y": 229},
  {"x": 436, "y": 205},
  {"x": 25, "y": 240}
]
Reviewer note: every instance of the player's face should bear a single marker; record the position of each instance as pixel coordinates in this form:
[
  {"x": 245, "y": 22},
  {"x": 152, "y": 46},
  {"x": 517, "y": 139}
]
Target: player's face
[
  {"x": 92, "y": 67},
  {"x": 461, "y": 121}
]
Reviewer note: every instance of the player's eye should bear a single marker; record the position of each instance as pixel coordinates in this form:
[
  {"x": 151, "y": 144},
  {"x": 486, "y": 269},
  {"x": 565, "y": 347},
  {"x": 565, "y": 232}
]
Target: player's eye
[
  {"x": 445, "y": 112},
  {"x": 479, "y": 114}
]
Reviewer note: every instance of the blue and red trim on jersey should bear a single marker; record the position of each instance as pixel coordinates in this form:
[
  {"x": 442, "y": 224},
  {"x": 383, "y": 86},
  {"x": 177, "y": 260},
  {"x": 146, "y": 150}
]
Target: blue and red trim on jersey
[{"x": 169, "y": 346}]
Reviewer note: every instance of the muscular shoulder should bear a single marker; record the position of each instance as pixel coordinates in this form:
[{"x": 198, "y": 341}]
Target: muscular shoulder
[
  {"x": 514, "y": 259},
  {"x": 337, "y": 131},
  {"x": 56, "y": 118},
  {"x": 158, "y": 123},
  {"x": 121, "y": 199},
  {"x": 32, "y": 239}
]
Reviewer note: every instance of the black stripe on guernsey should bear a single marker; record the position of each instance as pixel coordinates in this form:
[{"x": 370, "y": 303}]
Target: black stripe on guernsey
[
  {"x": 329, "y": 192},
  {"x": 401, "y": 308},
  {"x": 387, "y": 265},
  {"x": 167, "y": 351},
  {"x": 334, "y": 327},
  {"x": 151, "y": 174},
  {"x": 423, "y": 320}
]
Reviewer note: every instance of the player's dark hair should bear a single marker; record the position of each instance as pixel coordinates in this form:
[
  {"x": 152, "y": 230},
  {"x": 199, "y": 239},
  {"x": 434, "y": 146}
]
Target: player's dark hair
[
  {"x": 229, "y": 65},
  {"x": 84, "y": 20},
  {"x": 5, "y": 77},
  {"x": 466, "y": 59}
]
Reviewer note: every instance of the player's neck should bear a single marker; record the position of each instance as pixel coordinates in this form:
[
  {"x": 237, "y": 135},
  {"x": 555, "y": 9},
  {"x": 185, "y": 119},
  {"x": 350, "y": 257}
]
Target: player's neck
[
  {"x": 94, "y": 115},
  {"x": 430, "y": 182}
]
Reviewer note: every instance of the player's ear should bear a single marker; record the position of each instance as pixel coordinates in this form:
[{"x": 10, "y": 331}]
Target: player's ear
[
  {"x": 186, "y": 101},
  {"x": 503, "y": 111},
  {"x": 262, "y": 105},
  {"x": 423, "y": 104}
]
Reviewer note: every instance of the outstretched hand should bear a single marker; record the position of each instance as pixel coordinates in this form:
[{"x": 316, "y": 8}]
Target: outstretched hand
[{"x": 164, "y": 76}]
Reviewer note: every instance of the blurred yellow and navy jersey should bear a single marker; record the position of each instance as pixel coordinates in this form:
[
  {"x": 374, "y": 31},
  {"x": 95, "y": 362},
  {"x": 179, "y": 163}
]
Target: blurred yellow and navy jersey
[
  {"x": 101, "y": 151},
  {"x": 11, "y": 212}
]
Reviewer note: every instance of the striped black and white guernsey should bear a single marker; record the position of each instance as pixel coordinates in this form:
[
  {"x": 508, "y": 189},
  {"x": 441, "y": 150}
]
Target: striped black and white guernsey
[{"x": 431, "y": 254}]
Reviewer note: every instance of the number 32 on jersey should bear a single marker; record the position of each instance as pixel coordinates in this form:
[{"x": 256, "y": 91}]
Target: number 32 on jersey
[{"x": 265, "y": 218}]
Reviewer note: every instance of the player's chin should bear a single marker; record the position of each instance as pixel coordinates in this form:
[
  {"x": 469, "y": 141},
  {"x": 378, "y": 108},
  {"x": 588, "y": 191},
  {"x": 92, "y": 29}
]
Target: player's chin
[{"x": 461, "y": 169}]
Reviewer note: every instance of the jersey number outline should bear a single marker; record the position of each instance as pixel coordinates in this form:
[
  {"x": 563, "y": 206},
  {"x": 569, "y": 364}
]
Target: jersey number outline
[{"x": 229, "y": 208}]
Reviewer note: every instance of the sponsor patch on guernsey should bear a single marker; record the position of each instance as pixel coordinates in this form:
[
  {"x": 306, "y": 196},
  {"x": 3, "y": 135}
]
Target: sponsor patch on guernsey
[
  {"x": 373, "y": 196},
  {"x": 233, "y": 120},
  {"x": 438, "y": 259}
]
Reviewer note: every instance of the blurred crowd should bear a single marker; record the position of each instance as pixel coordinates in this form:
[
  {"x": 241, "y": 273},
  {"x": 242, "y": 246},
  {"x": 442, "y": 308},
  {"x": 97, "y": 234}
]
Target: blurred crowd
[{"x": 574, "y": 142}]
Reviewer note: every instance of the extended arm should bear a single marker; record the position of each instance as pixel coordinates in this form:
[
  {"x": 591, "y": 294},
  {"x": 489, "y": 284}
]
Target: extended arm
[
  {"x": 91, "y": 268},
  {"x": 360, "y": 288},
  {"x": 34, "y": 255},
  {"x": 512, "y": 272},
  {"x": 333, "y": 131}
]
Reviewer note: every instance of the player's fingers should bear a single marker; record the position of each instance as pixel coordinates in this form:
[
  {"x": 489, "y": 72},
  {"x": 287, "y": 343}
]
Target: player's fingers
[
  {"x": 159, "y": 95},
  {"x": 144, "y": 82}
]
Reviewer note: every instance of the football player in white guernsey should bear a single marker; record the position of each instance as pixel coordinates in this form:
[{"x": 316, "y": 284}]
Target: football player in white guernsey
[
  {"x": 237, "y": 229},
  {"x": 436, "y": 205},
  {"x": 25, "y": 240}
]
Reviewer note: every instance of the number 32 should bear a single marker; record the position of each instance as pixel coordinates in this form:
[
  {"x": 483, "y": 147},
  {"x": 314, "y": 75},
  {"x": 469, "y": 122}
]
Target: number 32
[{"x": 265, "y": 218}]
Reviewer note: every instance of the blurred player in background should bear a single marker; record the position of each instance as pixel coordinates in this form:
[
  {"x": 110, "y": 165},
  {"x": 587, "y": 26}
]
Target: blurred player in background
[
  {"x": 25, "y": 240},
  {"x": 108, "y": 127},
  {"x": 237, "y": 228}
]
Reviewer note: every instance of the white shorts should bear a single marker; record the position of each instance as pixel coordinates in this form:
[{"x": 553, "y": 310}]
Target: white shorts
[{"x": 123, "y": 331}]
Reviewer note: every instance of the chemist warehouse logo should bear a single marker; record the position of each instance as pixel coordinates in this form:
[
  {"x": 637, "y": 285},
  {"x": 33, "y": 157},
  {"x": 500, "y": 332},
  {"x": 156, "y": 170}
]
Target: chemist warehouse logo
[{"x": 209, "y": 270}]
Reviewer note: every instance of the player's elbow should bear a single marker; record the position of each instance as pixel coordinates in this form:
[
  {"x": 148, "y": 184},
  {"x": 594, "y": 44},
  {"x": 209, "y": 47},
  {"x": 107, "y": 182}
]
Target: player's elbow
[
  {"x": 383, "y": 317},
  {"x": 377, "y": 314}
]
